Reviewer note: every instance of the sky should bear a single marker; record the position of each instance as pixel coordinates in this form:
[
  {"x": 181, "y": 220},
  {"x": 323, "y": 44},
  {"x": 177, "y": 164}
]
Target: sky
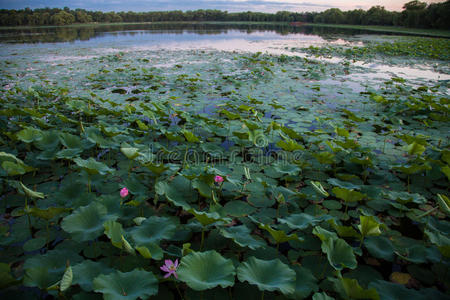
[{"x": 229, "y": 5}]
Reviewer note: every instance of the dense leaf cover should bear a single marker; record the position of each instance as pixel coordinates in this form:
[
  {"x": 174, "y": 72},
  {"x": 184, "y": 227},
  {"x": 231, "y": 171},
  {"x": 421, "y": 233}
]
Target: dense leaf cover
[{"x": 327, "y": 192}]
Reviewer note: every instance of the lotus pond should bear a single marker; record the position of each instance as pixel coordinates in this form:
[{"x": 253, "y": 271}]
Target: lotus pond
[{"x": 240, "y": 165}]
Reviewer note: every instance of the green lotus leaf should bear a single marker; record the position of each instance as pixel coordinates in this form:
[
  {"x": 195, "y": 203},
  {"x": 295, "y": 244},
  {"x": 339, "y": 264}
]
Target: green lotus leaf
[
  {"x": 49, "y": 141},
  {"x": 207, "y": 218},
  {"x": 74, "y": 142},
  {"x": 348, "y": 195},
  {"x": 238, "y": 208},
  {"x": 343, "y": 184},
  {"x": 152, "y": 251},
  {"x": 364, "y": 274},
  {"x": 29, "y": 135},
  {"x": 22, "y": 189},
  {"x": 319, "y": 188},
  {"x": 446, "y": 156},
  {"x": 153, "y": 230},
  {"x": 289, "y": 145},
  {"x": 67, "y": 153},
  {"x": 179, "y": 192},
  {"x": 95, "y": 136},
  {"x": 267, "y": 275},
  {"x": 48, "y": 213},
  {"x": 279, "y": 235},
  {"x": 302, "y": 221},
  {"x": 364, "y": 161},
  {"x": 369, "y": 226},
  {"x": 344, "y": 231},
  {"x": 129, "y": 152},
  {"x": 241, "y": 235},
  {"x": 413, "y": 168},
  {"x": 190, "y": 137},
  {"x": 34, "y": 244},
  {"x": 305, "y": 283},
  {"x": 324, "y": 157},
  {"x": 417, "y": 253},
  {"x": 339, "y": 253},
  {"x": 444, "y": 203},
  {"x": 45, "y": 270},
  {"x": 441, "y": 240},
  {"x": 66, "y": 280},
  {"x": 12, "y": 168},
  {"x": 86, "y": 222},
  {"x": 287, "y": 169},
  {"x": 158, "y": 169},
  {"x": 321, "y": 296},
  {"x": 13, "y": 165},
  {"x": 393, "y": 291},
  {"x": 126, "y": 286},
  {"x": 380, "y": 247},
  {"x": 92, "y": 166},
  {"x": 6, "y": 279},
  {"x": 415, "y": 149},
  {"x": 206, "y": 270},
  {"x": 446, "y": 171},
  {"x": 350, "y": 289},
  {"x": 114, "y": 231},
  {"x": 405, "y": 197},
  {"x": 341, "y": 132},
  {"x": 85, "y": 272}
]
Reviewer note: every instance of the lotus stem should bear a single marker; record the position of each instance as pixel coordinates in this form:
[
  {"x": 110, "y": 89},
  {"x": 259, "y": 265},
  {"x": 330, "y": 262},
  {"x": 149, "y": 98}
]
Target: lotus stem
[
  {"x": 203, "y": 239},
  {"x": 262, "y": 295},
  {"x": 178, "y": 290},
  {"x": 185, "y": 156}
]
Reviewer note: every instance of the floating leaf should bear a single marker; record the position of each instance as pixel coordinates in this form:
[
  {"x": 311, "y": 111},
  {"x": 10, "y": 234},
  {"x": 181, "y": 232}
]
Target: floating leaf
[
  {"x": 92, "y": 166},
  {"x": 302, "y": 221},
  {"x": 339, "y": 253},
  {"x": 319, "y": 188},
  {"x": 129, "y": 152},
  {"x": 369, "y": 226},
  {"x": 415, "y": 149},
  {"x": 86, "y": 222},
  {"x": 114, "y": 231},
  {"x": 305, "y": 283},
  {"x": 207, "y": 218},
  {"x": 348, "y": 195},
  {"x": 206, "y": 270},
  {"x": 153, "y": 230},
  {"x": 85, "y": 272},
  {"x": 279, "y": 235},
  {"x": 241, "y": 236},
  {"x": 267, "y": 275},
  {"x": 126, "y": 286},
  {"x": 352, "y": 290},
  {"x": 66, "y": 280}
]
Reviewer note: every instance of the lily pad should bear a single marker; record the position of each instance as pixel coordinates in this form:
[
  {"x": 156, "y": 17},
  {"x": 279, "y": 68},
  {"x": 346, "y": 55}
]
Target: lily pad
[
  {"x": 206, "y": 270},
  {"x": 130, "y": 285},
  {"x": 267, "y": 275}
]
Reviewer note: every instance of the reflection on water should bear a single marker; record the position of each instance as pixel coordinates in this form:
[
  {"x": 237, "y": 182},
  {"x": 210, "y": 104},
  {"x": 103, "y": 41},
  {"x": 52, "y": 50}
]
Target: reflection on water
[{"x": 87, "y": 32}]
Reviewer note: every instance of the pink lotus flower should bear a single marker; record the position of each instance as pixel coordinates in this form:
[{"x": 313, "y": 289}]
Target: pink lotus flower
[
  {"x": 124, "y": 192},
  {"x": 170, "y": 267},
  {"x": 218, "y": 179}
]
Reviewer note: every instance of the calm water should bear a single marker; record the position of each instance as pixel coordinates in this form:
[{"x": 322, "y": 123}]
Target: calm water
[
  {"x": 166, "y": 32},
  {"x": 80, "y": 42}
]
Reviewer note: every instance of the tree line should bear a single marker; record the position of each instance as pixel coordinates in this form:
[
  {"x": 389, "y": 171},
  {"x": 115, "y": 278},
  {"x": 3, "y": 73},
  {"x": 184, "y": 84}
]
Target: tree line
[{"x": 415, "y": 14}]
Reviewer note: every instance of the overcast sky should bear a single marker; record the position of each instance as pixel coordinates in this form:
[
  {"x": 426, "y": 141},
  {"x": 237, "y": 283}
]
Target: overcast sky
[{"x": 229, "y": 5}]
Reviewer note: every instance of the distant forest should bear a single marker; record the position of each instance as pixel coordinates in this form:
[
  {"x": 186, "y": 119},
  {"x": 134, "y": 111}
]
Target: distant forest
[{"x": 415, "y": 14}]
